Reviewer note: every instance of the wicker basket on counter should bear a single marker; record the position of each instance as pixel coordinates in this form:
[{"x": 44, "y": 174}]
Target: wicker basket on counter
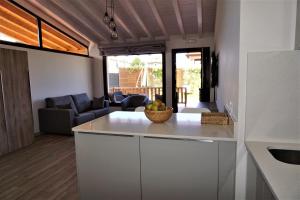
[
  {"x": 159, "y": 116},
  {"x": 214, "y": 118}
]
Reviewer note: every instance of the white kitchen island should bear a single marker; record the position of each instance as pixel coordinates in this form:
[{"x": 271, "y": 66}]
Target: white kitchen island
[{"x": 124, "y": 156}]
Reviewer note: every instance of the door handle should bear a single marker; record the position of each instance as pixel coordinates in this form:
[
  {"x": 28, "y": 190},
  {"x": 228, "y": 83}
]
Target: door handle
[
  {"x": 182, "y": 139},
  {"x": 108, "y": 134},
  {"x": 3, "y": 99}
]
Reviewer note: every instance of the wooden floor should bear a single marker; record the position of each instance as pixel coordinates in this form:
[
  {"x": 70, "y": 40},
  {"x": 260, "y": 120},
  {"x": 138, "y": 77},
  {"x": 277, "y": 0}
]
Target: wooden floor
[{"x": 44, "y": 170}]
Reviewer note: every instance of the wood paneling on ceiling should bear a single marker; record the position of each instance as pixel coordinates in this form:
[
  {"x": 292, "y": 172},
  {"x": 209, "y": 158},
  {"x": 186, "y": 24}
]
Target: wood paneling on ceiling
[
  {"x": 23, "y": 27},
  {"x": 137, "y": 20}
]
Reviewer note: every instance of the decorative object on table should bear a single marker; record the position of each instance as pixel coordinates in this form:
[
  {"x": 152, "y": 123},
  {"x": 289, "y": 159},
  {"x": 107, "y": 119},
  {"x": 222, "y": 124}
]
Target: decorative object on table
[
  {"x": 214, "y": 118},
  {"x": 110, "y": 21},
  {"x": 157, "y": 112}
]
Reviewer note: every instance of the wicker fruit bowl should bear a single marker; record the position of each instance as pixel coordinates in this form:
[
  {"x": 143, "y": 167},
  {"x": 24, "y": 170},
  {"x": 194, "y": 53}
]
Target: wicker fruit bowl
[{"x": 159, "y": 116}]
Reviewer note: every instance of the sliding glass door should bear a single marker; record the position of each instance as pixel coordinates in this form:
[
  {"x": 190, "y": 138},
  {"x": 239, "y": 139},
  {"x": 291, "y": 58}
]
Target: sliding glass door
[{"x": 136, "y": 74}]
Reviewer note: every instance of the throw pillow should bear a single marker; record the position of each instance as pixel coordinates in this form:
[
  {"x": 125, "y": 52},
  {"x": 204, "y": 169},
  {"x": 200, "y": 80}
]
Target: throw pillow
[{"x": 98, "y": 103}]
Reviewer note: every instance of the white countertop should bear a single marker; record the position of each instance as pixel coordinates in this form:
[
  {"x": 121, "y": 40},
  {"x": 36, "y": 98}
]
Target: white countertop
[
  {"x": 282, "y": 178},
  {"x": 180, "y": 125}
]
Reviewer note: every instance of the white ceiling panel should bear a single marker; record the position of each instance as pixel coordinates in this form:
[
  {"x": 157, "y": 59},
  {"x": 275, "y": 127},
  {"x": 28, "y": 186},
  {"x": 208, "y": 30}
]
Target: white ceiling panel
[{"x": 137, "y": 20}]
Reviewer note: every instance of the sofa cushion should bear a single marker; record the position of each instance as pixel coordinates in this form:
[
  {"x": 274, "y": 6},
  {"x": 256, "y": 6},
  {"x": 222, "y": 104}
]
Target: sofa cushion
[
  {"x": 100, "y": 112},
  {"x": 53, "y": 102},
  {"x": 66, "y": 106},
  {"x": 84, "y": 117},
  {"x": 82, "y": 102},
  {"x": 98, "y": 103}
]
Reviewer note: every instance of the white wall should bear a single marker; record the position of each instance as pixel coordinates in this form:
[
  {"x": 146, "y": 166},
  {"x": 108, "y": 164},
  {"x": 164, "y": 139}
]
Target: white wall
[
  {"x": 273, "y": 97},
  {"x": 264, "y": 25},
  {"x": 297, "y": 40},
  {"x": 55, "y": 74},
  {"x": 97, "y": 70},
  {"x": 177, "y": 42},
  {"x": 227, "y": 34}
]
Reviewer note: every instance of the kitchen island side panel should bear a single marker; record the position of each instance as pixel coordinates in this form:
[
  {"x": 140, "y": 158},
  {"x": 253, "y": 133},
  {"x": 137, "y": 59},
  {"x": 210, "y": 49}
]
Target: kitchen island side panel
[{"x": 108, "y": 166}]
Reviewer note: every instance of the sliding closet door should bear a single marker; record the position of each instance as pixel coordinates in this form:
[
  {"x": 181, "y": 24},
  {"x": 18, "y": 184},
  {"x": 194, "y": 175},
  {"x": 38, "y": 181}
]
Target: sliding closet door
[
  {"x": 17, "y": 99},
  {"x": 3, "y": 133}
]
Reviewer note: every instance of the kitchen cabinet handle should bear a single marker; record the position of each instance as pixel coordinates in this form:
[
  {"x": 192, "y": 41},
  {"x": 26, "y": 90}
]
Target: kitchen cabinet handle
[
  {"x": 184, "y": 139},
  {"x": 3, "y": 99},
  {"x": 120, "y": 135}
]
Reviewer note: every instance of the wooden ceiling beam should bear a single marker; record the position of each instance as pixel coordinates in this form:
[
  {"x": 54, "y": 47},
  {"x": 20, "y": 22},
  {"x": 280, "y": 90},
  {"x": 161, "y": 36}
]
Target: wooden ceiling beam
[
  {"x": 18, "y": 36},
  {"x": 16, "y": 19},
  {"x": 125, "y": 27},
  {"x": 38, "y": 8},
  {"x": 118, "y": 20},
  {"x": 178, "y": 16},
  {"x": 157, "y": 17},
  {"x": 131, "y": 10},
  {"x": 71, "y": 13},
  {"x": 30, "y": 33},
  {"x": 59, "y": 15},
  {"x": 8, "y": 7},
  {"x": 60, "y": 38},
  {"x": 89, "y": 8},
  {"x": 31, "y": 27},
  {"x": 200, "y": 17}
]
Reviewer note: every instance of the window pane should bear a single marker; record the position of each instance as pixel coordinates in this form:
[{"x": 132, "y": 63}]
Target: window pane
[
  {"x": 135, "y": 74},
  {"x": 17, "y": 25},
  {"x": 54, "y": 39}
]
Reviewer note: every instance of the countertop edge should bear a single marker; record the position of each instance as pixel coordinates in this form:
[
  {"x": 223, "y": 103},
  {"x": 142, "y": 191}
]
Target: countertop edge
[
  {"x": 261, "y": 166},
  {"x": 233, "y": 139}
]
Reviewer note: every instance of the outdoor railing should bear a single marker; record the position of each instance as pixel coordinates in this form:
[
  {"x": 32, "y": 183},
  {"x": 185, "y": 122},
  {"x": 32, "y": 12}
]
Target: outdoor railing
[{"x": 151, "y": 92}]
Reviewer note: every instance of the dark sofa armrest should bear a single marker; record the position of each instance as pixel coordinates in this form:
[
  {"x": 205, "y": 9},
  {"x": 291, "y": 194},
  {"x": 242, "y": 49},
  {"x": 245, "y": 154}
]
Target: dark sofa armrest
[{"x": 53, "y": 120}]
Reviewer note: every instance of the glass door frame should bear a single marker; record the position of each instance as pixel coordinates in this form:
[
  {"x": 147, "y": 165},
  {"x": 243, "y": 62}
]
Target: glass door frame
[{"x": 205, "y": 71}]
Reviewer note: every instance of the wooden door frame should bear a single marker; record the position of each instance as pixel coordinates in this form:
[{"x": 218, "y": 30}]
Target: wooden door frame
[
  {"x": 174, "y": 52},
  {"x": 105, "y": 86}
]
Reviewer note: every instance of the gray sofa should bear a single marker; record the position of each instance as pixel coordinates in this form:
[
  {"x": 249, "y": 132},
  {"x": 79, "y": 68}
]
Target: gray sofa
[{"x": 64, "y": 112}]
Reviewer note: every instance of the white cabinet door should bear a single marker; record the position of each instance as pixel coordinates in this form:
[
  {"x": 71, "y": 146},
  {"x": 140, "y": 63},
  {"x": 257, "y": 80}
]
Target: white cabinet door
[
  {"x": 108, "y": 167},
  {"x": 226, "y": 170},
  {"x": 178, "y": 169}
]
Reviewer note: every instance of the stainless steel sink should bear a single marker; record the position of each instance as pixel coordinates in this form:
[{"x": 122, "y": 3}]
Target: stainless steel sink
[{"x": 286, "y": 156}]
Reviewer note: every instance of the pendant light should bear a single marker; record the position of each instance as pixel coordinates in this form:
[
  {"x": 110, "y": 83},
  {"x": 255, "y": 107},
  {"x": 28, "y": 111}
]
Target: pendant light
[
  {"x": 110, "y": 21},
  {"x": 106, "y": 17},
  {"x": 114, "y": 34}
]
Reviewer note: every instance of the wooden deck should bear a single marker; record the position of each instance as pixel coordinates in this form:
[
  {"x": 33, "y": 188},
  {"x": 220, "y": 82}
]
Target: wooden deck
[{"x": 44, "y": 170}]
